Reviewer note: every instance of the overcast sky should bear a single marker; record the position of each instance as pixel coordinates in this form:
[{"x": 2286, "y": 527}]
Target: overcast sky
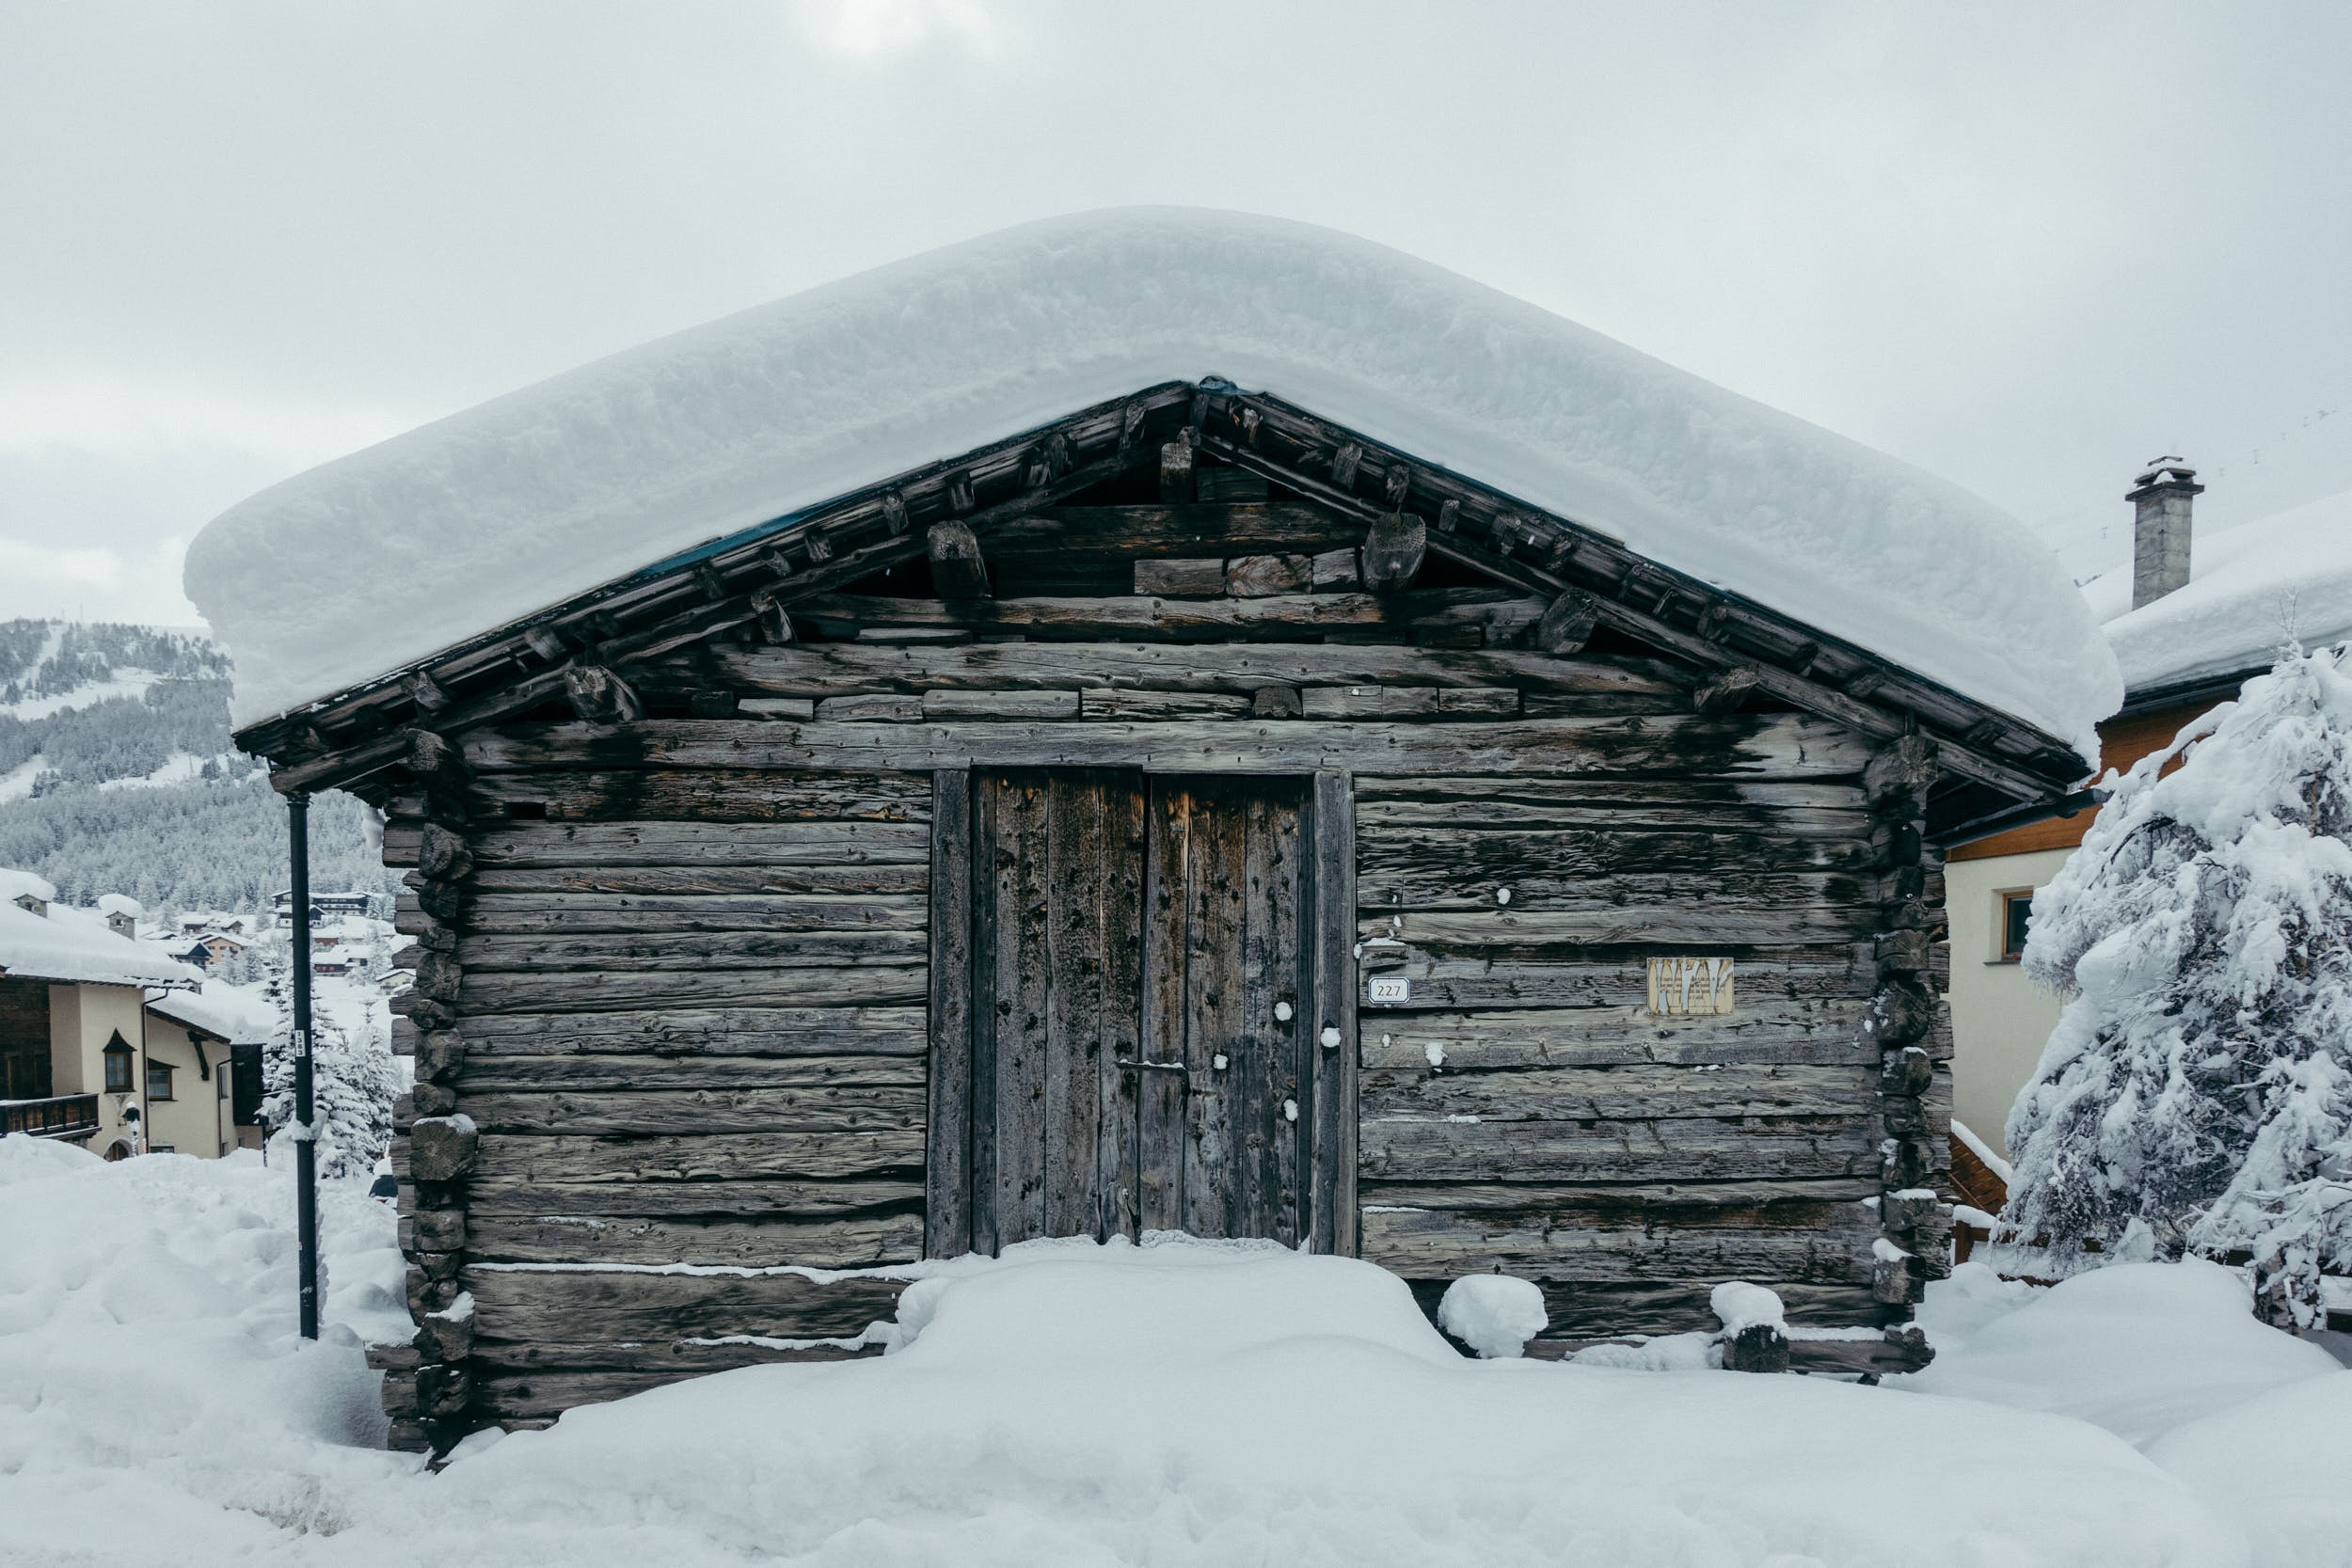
[{"x": 2026, "y": 248}]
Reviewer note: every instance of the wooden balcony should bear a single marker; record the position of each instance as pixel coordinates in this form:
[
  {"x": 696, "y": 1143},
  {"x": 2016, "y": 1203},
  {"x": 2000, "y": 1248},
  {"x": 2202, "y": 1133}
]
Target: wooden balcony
[{"x": 65, "y": 1115}]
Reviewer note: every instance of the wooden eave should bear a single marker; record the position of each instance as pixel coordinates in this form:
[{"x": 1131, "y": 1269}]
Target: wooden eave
[{"x": 720, "y": 588}]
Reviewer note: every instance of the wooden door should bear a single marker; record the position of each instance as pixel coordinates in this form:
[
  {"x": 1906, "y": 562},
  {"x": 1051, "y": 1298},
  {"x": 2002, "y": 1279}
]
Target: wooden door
[
  {"x": 1127, "y": 1030},
  {"x": 1221, "y": 1139}
]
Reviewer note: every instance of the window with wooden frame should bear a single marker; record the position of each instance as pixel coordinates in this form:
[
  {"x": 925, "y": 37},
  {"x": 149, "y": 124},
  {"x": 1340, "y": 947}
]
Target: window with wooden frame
[
  {"x": 158, "y": 1081},
  {"x": 119, "y": 1057},
  {"x": 2016, "y": 911}
]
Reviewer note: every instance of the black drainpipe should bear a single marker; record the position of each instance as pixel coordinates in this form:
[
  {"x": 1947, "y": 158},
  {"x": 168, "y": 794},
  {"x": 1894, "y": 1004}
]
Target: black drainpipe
[{"x": 306, "y": 1135}]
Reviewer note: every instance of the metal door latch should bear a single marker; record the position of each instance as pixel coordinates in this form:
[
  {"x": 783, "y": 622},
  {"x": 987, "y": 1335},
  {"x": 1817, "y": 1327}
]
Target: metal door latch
[{"x": 1150, "y": 1067}]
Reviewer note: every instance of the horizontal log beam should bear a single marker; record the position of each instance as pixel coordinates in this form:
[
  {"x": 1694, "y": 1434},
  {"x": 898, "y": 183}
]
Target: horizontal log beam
[
  {"x": 1498, "y": 613},
  {"x": 783, "y": 1030},
  {"x": 1765, "y": 745},
  {"x": 1824, "y": 1032},
  {"x": 713, "y": 1157}
]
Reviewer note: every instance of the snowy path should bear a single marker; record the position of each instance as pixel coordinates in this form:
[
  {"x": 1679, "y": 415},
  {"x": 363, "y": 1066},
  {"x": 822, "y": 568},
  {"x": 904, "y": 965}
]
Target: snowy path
[{"x": 1079, "y": 1404}]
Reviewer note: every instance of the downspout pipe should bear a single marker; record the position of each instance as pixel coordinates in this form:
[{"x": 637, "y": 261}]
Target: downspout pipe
[{"x": 305, "y": 1132}]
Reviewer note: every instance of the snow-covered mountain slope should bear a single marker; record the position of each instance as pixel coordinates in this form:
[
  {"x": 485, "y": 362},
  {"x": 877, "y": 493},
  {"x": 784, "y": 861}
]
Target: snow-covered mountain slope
[{"x": 117, "y": 774}]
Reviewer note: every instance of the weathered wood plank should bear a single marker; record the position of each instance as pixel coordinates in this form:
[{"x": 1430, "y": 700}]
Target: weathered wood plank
[
  {"x": 1825, "y": 1032},
  {"x": 1424, "y": 1244},
  {"x": 1264, "y": 575},
  {"x": 1644, "y": 1092},
  {"x": 684, "y": 880},
  {"x": 707, "y": 795},
  {"x": 1400, "y": 859},
  {"x": 1725, "y": 1202},
  {"x": 588, "y": 1237},
  {"x": 1237, "y": 669},
  {"x": 1693, "y": 1149},
  {"x": 1806, "y": 808},
  {"x": 845, "y": 1108},
  {"x": 590, "y": 913},
  {"x": 1332, "y": 870},
  {"x": 487, "y": 1073},
  {"x": 738, "y": 1032},
  {"x": 1604, "y": 980},
  {"x": 667, "y": 951},
  {"x": 674, "y": 1358},
  {"x": 590, "y": 990},
  {"x": 750, "y": 1199},
  {"x": 1502, "y": 616},
  {"x": 1200, "y": 578},
  {"x": 1126, "y": 703},
  {"x": 1761, "y": 745},
  {"x": 712, "y": 1157},
  {"x": 533, "y": 1397},
  {"x": 528, "y": 1304},
  {"x": 948, "y": 1162},
  {"x": 964, "y": 704},
  {"x": 1698, "y": 918},
  {"x": 611, "y": 844},
  {"x": 1134, "y": 532}
]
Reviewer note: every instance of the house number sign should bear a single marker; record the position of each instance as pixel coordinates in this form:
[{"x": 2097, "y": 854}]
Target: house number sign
[
  {"x": 1392, "y": 988},
  {"x": 1690, "y": 985}
]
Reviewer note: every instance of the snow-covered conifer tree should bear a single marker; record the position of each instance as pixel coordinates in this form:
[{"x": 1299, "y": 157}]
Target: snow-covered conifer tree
[
  {"x": 354, "y": 1079},
  {"x": 2200, "y": 1079}
]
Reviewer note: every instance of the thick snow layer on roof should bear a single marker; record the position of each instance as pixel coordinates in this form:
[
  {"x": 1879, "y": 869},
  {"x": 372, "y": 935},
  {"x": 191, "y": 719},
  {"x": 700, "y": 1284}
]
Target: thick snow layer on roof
[
  {"x": 236, "y": 1014},
  {"x": 74, "y": 944},
  {"x": 2250, "y": 589},
  {"x": 355, "y": 568},
  {"x": 24, "y": 884}
]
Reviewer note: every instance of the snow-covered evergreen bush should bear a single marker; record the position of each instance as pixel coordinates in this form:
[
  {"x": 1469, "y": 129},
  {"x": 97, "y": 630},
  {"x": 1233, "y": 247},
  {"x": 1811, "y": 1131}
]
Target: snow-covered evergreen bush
[
  {"x": 354, "y": 1079},
  {"x": 2200, "y": 1079}
]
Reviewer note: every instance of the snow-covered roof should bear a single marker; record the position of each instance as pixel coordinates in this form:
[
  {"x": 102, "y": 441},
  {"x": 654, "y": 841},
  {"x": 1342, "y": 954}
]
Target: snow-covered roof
[
  {"x": 20, "y": 884},
  {"x": 119, "y": 903},
  {"x": 236, "y": 1015},
  {"x": 2250, "y": 588},
  {"x": 377, "y": 560},
  {"x": 70, "y": 944}
]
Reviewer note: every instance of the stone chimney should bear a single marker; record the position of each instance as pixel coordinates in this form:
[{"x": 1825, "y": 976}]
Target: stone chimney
[
  {"x": 2160, "y": 529},
  {"x": 33, "y": 903},
  {"x": 122, "y": 923}
]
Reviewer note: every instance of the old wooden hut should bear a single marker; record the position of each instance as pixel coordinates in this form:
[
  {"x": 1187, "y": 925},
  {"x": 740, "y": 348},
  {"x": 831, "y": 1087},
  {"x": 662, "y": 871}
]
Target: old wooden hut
[{"x": 1443, "y": 795}]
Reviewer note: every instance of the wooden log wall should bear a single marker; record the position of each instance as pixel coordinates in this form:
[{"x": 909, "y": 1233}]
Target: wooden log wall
[
  {"x": 661, "y": 1019},
  {"x": 673, "y": 972},
  {"x": 1524, "y": 1110}
]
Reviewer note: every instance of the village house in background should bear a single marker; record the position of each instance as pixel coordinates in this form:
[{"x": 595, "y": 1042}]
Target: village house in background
[
  {"x": 107, "y": 1042},
  {"x": 2190, "y": 619}
]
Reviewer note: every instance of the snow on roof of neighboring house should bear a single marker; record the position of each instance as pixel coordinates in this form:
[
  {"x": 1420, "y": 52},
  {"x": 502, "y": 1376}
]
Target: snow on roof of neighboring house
[
  {"x": 17, "y": 884},
  {"x": 2250, "y": 588},
  {"x": 68, "y": 945},
  {"x": 119, "y": 903},
  {"x": 382, "y": 558},
  {"x": 234, "y": 1014}
]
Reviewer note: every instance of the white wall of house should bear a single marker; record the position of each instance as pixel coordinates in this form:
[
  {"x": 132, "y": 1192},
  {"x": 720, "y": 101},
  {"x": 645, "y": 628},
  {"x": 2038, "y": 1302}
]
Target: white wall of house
[
  {"x": 2000, "y": 1019},
  {"x": 82, "y": 1017}
]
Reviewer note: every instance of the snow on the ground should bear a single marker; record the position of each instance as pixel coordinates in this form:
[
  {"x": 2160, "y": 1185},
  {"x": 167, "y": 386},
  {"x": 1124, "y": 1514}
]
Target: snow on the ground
[
  {"x": 2250, "y": 589},
  {"x": 121, "y": 683},
  {"x": 2144, "y": 1347},
  {"x": 17, "y": 783},
  {"x": 1178, "y": 1403},
  {"x": 179, "y": 769},
  {"x": 387, "y": 556}
]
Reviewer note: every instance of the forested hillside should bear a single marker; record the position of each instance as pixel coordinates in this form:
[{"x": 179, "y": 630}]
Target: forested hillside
[{"x": 118, "y": 775}]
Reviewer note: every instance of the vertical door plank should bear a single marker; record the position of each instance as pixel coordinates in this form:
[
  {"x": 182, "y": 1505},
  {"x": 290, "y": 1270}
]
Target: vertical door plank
[
  {"x": 1333, "y": 966},
  {"x": 1118, "y": 1092},
  {"x": 988, "y": 829},
  {"x": 1161, "y": 1135},
  {"x": 1287, "y": 1110},
  {"x": 1022, "y": 979},
  {"x": 1214, "y": 935},
  {"x": 948, "y": 1147},
  {"x": 1073, "y": 1001}
]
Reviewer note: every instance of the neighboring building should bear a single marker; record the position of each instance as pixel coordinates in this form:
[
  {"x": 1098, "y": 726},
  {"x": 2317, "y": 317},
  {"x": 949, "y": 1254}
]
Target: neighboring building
[
  {"x": 82, "y": 1055},
  {"x": 210, "y": 949},
  {"x": 2191, "y": 622},
  {"x": 1483, "y": 820},
  {"x": 208, "y": 1113},
  {"x": 323, "y": 905}
]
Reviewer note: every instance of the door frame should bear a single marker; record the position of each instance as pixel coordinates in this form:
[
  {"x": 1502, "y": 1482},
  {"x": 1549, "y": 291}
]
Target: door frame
[{"x": 1327, "y": 897}]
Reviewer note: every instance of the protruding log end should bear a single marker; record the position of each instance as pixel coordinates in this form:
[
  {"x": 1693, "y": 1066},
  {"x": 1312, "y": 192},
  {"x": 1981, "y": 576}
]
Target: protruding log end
[
  {"x": 1569, "y": 623},
  {"x": 1724, "y": 690},
  {"x": 1176, "y": 471},
  {"x": 1392, "y": 553},
  {"x": 958, "y": 571},
  {"x": 599, "y": 696}
]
